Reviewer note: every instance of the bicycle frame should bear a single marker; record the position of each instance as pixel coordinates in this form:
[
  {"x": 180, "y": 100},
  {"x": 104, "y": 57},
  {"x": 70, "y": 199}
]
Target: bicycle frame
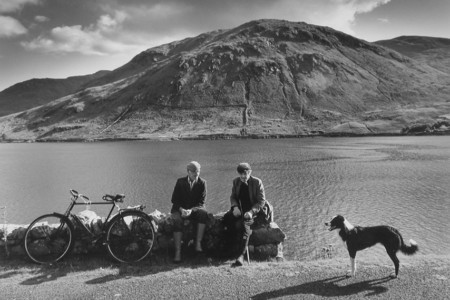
[
  {"x": 74, "y": 203},
  {"x": 104, "y": 225},
  {"x": 111, "y": 202}
]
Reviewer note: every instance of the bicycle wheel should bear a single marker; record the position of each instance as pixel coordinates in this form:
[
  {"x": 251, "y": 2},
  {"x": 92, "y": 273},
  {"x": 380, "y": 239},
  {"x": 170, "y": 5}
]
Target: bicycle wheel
[
  {"x": 130, "y": 236},
  {"x": 48, "y": 238}
]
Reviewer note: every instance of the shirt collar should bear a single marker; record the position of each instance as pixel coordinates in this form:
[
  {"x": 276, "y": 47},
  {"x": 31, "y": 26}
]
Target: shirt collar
[{"x": 189, "y": 180}]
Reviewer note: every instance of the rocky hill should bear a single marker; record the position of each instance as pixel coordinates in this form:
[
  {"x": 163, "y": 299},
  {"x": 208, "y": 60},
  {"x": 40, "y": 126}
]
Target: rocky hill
[
  {"x": 36, "y": 92},
  {"x": 429, "y": 50},
  {"x": 263, "y": 78}
]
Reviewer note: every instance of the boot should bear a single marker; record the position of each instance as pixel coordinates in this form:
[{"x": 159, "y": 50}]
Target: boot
[
  {"x": 198, "y": 241},
  {"x": 239, "y": 261},
  {"x": 177, "y": 236},
  {"x": 242, "y": 249}
]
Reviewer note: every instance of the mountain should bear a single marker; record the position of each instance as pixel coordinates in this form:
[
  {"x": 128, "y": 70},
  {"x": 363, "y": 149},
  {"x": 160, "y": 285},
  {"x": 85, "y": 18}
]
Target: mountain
[
  {"x": 263, "y": 78},
  {"x": 35, "y": 92},
  {"x": 430, "y": 50}
]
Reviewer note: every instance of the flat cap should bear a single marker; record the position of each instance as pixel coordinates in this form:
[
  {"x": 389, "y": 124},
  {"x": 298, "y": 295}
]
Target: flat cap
[{"x": 243, "y": 167}]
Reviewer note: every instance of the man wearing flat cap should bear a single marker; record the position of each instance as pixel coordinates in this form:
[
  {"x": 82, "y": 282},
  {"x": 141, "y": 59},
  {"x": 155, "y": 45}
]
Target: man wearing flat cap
[
  {"x": 188, "y": 201},
  {"x": 247, "y": 202}
]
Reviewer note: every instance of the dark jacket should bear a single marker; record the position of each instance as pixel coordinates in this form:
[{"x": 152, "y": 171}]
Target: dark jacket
[
  {"x": 256, "y": 191},
  {"x": 182, "y": 195}
]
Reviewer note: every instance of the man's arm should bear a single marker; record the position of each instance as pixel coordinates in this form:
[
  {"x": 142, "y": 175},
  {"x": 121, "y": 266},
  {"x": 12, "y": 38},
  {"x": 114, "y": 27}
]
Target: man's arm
[
  {"x": 234, "y": 196},
  {"x": 201, "y": 196},
  {"x": 176, "y": 197},
  {"x": 260, "y": 196}
]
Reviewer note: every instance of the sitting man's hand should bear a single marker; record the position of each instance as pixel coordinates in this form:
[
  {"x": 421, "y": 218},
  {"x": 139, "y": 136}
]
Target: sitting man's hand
[
  {"x": 236, "y": 211},
  {"x": 185, "y": 212},
  {"x": 248, "y": 215}
]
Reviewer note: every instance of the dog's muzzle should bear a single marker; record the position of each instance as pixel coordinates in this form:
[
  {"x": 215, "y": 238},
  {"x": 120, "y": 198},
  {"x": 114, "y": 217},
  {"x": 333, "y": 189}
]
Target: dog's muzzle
[{"x": 328, "y": 224}]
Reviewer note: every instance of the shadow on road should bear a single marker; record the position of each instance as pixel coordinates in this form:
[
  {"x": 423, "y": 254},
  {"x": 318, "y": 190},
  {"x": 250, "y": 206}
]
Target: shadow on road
[
  {"x": 103, "y": 267},
  {"x": 79, "y": 263},
  {"x": 8, "y": 274},
  {"x": 150, "y": 267},
  {"x": 329, "y": 288}
]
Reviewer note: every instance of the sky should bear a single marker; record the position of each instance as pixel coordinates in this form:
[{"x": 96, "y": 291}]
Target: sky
[{"x": 62, "y": 38}]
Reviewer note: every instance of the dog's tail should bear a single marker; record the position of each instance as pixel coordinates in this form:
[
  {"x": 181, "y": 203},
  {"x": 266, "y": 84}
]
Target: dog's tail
[{"x": 409, "y": 250}]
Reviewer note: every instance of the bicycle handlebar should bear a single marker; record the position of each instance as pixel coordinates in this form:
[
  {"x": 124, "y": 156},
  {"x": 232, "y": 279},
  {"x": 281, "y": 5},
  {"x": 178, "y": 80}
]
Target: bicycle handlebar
[{"x": 116, "y": 198}]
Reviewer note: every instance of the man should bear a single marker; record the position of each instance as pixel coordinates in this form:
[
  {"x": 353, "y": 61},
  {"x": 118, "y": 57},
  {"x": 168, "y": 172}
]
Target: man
[
  {"x": 188, "y": 201},
  {"x": 247, "y": 201}
]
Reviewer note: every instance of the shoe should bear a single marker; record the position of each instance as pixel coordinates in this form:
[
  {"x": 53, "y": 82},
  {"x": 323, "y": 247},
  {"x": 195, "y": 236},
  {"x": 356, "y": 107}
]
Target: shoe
[{"x": 239, "y": 262}]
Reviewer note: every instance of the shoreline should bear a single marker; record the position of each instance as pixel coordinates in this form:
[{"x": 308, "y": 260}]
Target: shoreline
[{"x": 224, "y": 137}]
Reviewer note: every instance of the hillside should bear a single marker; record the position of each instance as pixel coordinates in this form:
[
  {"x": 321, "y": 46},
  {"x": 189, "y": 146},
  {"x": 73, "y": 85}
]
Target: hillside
[
  {"x": 265, "y": 77},
  {"x": 36, "y": 92},
  {"x": 429, "y": 50}
]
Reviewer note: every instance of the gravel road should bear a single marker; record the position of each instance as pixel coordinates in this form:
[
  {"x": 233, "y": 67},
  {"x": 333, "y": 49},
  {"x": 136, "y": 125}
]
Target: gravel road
[{"x": 421, "y": 277}]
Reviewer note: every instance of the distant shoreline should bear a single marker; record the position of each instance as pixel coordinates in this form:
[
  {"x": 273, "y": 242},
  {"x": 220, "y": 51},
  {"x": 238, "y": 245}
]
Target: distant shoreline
[{"x": 225, "y": 137}]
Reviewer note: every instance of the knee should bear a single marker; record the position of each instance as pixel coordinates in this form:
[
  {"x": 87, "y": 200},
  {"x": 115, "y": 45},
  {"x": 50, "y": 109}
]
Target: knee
[{"x": 200, "y": 215}]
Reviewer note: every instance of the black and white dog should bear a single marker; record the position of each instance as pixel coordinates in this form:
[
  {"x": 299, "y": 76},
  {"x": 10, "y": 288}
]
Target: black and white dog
[{"x": 358, "y": 238}]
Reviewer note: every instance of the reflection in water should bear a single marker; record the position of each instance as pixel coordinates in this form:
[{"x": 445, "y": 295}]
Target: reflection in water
[{"x": 402, "y": 182}]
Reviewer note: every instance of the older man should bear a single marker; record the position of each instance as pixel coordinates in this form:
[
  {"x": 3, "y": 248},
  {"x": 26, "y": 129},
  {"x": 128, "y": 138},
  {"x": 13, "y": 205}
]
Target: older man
[
  {"x": 188, "y": 201},
  {"x": 247, "y": 201}
]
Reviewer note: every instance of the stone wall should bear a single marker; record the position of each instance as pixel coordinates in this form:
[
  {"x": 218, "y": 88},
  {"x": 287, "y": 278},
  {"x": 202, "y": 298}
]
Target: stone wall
[{"x": 265, "y": 242}]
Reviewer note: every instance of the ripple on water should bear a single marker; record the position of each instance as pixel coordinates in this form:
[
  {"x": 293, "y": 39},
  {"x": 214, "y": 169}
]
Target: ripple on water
[{"x": 401, "y": 182}]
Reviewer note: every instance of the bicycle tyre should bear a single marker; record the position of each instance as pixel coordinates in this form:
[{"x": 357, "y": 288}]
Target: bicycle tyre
[
  {"x": 48, "y": 238},
  {"x": 130, "y": 236}
]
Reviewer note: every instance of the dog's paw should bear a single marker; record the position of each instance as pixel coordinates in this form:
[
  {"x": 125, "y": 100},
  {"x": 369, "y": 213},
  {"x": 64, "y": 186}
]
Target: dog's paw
[{"x": 393, "y": 276}]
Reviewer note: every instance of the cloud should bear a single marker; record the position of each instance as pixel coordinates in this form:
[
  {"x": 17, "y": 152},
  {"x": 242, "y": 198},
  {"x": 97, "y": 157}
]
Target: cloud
[
  {"x": 178, "y": 18},
  {"x": 135, "y": 25},
  {"x": 101, "y": 38},
  {"x": 383, "y": 20},
  {"x": 338, "y": 14},
  {"x": 7, "y": 6},
  {"x": 10, "y": 27},
  {"x": 41, "y": 19}
]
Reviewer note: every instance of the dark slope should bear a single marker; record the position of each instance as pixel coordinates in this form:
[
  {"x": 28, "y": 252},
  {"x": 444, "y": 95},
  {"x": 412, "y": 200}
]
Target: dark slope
[{"x": 35, "y": 92}]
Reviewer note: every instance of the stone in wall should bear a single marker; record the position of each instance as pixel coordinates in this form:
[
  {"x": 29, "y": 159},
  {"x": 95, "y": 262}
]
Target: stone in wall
[{"x": 265, "y": 242}]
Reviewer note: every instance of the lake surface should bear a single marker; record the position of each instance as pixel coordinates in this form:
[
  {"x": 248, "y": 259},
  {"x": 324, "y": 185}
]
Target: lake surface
[{"x": 398, "y": 181}]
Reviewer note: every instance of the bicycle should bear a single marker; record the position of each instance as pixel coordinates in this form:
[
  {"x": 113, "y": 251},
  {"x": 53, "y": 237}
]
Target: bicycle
[{"x": 128, "y": 235}]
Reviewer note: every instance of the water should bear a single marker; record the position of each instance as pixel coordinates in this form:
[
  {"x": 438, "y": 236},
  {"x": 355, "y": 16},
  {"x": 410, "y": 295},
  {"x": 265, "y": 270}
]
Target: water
[{"x": 400, "y": 181}]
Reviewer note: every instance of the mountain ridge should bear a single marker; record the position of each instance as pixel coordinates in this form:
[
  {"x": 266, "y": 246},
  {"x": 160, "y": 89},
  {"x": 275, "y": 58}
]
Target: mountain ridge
[
  {"x": 38, "y": 91},
  {"x": 264, "y": 77}
]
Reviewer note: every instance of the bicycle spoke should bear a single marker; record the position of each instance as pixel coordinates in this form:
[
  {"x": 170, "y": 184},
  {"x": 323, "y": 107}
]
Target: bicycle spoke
[
  {"x": 130, "y": 237},
  {"x": 48, "y": 239}
]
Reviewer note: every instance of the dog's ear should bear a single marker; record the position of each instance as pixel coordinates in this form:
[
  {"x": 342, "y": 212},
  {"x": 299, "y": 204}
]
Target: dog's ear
[{"x": 339, "y": 218}]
